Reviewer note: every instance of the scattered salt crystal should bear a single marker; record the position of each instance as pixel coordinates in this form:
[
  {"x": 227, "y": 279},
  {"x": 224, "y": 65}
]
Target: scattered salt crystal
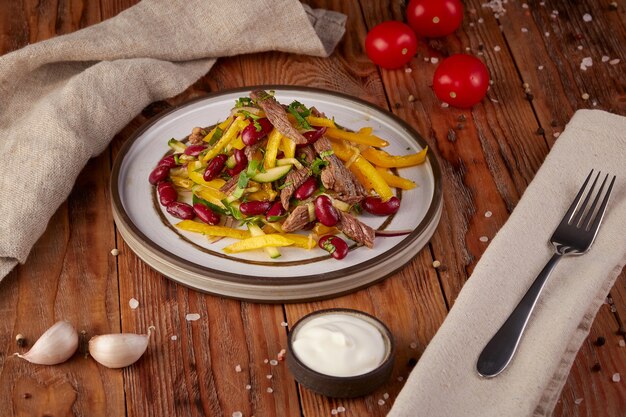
[
  {"x": 413, "y": 345},
  {"x": 622, "y": 343},
  {"x": 445, "y": 105},
  {"x": 411, "y": 98},
  {"x": 472, "y": 24},
  {"x": 434, "y": 60},
  {"x": 614, "y": 61},
  {"x": 585, "y": 63},
  {"x": 333, "y": 412},
  {"x": 555, "y": 12},
  {"x": 273, "y": 362},
  {"x": 284, "y": 324},
  {"x": 436, "y": 264},
  {"x": 381, "y": 402},
  {"x": 542, "y": 3},
  {"x": 577, "y": 401},
  {"x": 192, "y": 316},
  {"x": 115, "y": 252},
  {"x": 547, "y": 34},
  {"x": 524, "y": 6},
  {"x": 524, "y": 30},
  {"x": 426, "y": 59},
  {"x": 132, "y": 303},
  {"x": 386, "y": 396},
  {"x": 281, "y": 355},
  {"x": 579, "y": 47},
  {"x": 237, "y": 414},
  {"x": 408, "y": 70},
  {"x": 605, "y": 58},
  {"x": 174, "y": 337},
  {"x": 266, "y": 361},
  {"x": 497, "y": 48},
  {"x": 613, "y": 309},
  {"x": 467, "y": 48},
  {"x": 556, "y": 134},
  {"x": 587, "y": 17},
  {"x": 400, "y": 378},
  {"x": 238, "y": 368},
  {"x": 594, "y": 103},
  {"x": 585, "y": 96},
  {"x": 616, "y": 377},
  {"x": 269, "y": 376},
  {"x": 481, "y": 20},
  {"x": 540, "y": 67},
  {"x": 488, "y": 213},
  {"x": 269, "y": 390},
  {"x": 341, "y": 409},
  {"x": 483, "y": 239},
  {"x": 248, "y": 387}
]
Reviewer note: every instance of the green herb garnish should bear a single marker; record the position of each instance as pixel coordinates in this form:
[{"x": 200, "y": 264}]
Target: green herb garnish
[
  {"x": 300, "y": 111},
  {"x": 216, "y": 136},
  {"x": 243, "y": 102},
  {"x": 317, "y": 165}
]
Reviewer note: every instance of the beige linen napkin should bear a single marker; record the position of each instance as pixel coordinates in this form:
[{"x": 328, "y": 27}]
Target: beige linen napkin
[
  {"x": 445, "y": 381},
  {"x": 63, "y": 100}
]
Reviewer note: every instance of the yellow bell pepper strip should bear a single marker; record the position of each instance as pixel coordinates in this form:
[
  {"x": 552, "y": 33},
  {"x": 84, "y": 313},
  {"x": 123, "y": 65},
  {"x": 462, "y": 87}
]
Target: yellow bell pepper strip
[
  {"x": 236, "y": 144},
  {"x": 356, "y": 137},
  {"x": 320, "y": 121},
  {"x": 289, "y": 147},
  {"x": 221, "y": 126},
  {"x": 210, "y": 194},
  {"x": 321, "y": 230},
  {"x": 363, "y": 170},
  {"x": 383, "y": 159},
  {"x": 301, "y": 241},
  {"x": 256, "y": 231},
  {"x": 206, "y": 229},
  {"x": 394, "y": 180},
  {"x": 271, "y": 150},
  {"x": 182, "y": 182},
  {"x": 258, "y": 242},
  {"x": 238, "y": 125}
]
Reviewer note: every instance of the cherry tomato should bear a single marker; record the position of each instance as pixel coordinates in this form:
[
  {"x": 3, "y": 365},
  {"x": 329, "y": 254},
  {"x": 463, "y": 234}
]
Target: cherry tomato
[
  {"x": 434, "y": 19},
  {"x": 461, "y": 81},
  {"x": 391, "y": 44}
]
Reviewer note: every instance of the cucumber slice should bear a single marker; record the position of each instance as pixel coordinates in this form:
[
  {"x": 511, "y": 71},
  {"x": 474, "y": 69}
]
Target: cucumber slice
[
  {"x": 272, "y": 174},
  {"x": 256, "y": 231},
  {"x": 177, "y": 145},
  {"x": 230, "y": 162}
]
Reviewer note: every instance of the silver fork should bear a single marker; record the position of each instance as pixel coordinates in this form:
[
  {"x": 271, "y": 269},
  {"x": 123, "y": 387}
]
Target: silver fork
[{"x": 573, "y": 236}]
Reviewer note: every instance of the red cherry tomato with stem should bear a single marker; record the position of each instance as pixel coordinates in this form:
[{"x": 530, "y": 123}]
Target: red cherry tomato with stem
[
  {"x": 434, "y": 19},
  {"x": 461, "y": 80},
  {"x": 391, "y": 44}
]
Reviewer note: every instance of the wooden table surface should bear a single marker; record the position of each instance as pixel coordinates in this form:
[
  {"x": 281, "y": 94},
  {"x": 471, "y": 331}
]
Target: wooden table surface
[{"x": 488, "y": 155}]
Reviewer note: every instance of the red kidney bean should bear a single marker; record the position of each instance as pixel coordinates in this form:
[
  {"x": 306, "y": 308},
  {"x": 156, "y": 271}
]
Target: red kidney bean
[
  {"x": 167, "y": 193},
  {"x": 307, "y": 189},
  {"x": 325, "y": 212},
  {"x": 313, "y": 135},
  {"x": 334, "y": 245},
  {"x": 206, "y": 214},
  {"x": 250, "y": 135},
  {"x": 276, "y": 210},
  {"x": 194, "y": 150},
  {"x": 252, "y": 208},
  {"x": 379, "y": 207},
  {"x": 168, "y": 161},
  {"x": 159, "y": 174},
  {"x": 241, "y": 162},
  {"x": 214, "y": 167},
  {"x": 181, "y": 210}
]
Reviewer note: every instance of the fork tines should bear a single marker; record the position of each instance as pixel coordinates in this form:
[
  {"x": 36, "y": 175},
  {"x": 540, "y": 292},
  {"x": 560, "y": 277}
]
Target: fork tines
[{"x": 592, "y": 213}]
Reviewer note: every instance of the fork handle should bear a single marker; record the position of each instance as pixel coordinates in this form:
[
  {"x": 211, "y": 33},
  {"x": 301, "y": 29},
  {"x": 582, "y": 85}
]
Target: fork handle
[{"x": 498, "y": 353}]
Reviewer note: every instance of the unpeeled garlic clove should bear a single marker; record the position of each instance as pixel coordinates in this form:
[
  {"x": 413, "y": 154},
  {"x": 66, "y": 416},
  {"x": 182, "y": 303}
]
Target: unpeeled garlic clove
[
  {"x": 56, "y": 345},
  {"x": 119, "y": 350}
]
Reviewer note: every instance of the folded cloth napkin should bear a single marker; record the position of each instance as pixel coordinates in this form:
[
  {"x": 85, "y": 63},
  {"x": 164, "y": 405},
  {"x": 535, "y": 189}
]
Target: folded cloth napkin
[
  {"x": 64, "y": 99},
  {"x": 445, "y": 381}
]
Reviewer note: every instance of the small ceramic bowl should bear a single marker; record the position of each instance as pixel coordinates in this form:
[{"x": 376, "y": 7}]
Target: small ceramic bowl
[{"x": 342, "y": 386}]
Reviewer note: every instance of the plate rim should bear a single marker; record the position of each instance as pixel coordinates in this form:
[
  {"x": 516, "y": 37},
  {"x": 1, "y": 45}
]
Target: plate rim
[{"x": 122, "y": 218}]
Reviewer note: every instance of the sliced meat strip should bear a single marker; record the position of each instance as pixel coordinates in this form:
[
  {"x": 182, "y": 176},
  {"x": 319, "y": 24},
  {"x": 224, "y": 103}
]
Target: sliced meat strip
[
  {"x": 356, "y": 230},
  {"x": 277, "y": 115},
  {"x": 251, "y": 149},
  {"x": 337, "y": 177},
  {"x": 298, "y": 218},
  {"x": 293, "y": 180},
  {"x": 307, "y": 153},
  {"x": 230, "y": 185}
]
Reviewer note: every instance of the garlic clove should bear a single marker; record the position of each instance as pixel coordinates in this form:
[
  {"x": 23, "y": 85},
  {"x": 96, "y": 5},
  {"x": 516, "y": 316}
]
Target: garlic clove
[
  {"x": 119, "y": 350},
  {"x": 56, "y": 345}
]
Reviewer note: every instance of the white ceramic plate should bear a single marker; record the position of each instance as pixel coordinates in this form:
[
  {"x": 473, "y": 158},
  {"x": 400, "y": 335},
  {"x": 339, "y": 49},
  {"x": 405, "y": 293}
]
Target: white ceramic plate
[{"x": 298, "y": 274}]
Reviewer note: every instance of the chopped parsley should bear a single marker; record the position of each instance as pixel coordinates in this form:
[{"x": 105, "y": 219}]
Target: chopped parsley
[
  {"x": 317, "y": 165},
  {"x": 243, "y": 102},
  {"x": 254, "y": 118},
  {"x": 300, "y": 111}
]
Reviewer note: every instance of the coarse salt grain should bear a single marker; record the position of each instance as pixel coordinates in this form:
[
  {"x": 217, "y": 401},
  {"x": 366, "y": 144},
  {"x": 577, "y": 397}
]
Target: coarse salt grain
[
  {"x": 577, "y": 401},
  {"x": 488, "y": 213},
  {"x": 408, "y": 70},
  {"x": 436, "y": 264},
  {"x": 281, "y": 355},
  {"x": 237, "y": 414},
  {"x": 238, "y": 368},
  {"x": 273, "y": 362},
  {"x": 192, "y": 317},
  {"x": 174, "y": 337},
  {"x": 483, "y": 239},
  {"x": 605, "y": 58},
  {"x": 426, "y": 59},
  {"x": 621, "y": 343},
  {"x": 587, "y": 17},
  {"x": 579, "y": 47},
  {"x": 248, "y": 387},
  {"x": 400, "y": 378},
  {"x": 585, "y": 96},
  {"x": 556, "y": 134},
  {"x": 269, "y": 376},
  {"x": 524, "y": 30},
  {"x": 540, "y": 67},
  {"x": 269, "y": 390},
  {"x": 444, "y": 105},
  {"x": 547, "y": 34},
  {"x": 333, "y": 412},
  {"x": 266, "y": 361},
  {"x": 115, "y": 252},
  {"x": 614, "y": 61},
  {"x": 524, "y": 6},
  {"x": 284, "y": 324},
  {"x": 386, "y": 396},
  {"x": 481, "y": 20},
  {"x": 497, "y": 48},
  {"x": 616, "y": 377},
  {"x": 133, "y": 303},
  {"x": 341, "y": 409},
  {"x": 381, "y": 402},
  {"x": 411, "y": 98},
  {"x": 434, "y": 60},
  {"x": 413, "y": 345},
  {"x": 585, "y": 63}
]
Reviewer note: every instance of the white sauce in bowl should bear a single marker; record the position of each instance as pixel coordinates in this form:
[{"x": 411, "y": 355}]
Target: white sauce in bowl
[{"x": 339, "y": 344}]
